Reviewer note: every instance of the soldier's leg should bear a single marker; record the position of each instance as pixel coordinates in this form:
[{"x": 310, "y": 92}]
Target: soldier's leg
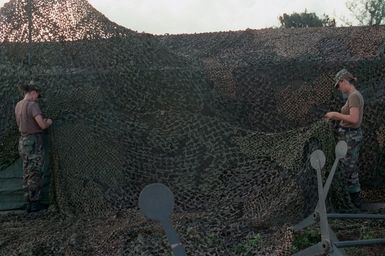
[
  {"x": 349, "y": 164},
  {"x": 24, "y": 151},
  {"x": 354, "y": 146},
  {"x": 31, "y": 148}
]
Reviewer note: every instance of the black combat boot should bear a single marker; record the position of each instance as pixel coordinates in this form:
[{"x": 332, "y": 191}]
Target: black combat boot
[
  {"x": 37, "y": 206},
  {"x": 28, "y": 207},
  {"x": 356, "y": 199}
]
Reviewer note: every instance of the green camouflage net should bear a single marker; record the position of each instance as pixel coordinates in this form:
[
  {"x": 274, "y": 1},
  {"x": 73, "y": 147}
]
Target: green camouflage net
[{"x": 226, "y": 120}]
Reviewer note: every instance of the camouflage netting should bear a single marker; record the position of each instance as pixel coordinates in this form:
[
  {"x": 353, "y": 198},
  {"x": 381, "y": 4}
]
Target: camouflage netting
[
  {"x": 226, "y": 120},
  {"x": 288, "y": 73}
]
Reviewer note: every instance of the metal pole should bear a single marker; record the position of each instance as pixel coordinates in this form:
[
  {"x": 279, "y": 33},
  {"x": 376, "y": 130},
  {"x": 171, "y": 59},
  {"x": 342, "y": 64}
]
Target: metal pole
[
  {"x": 353, "y": 243},
  {"x": 322, "y": 208},
  {"x": 29, "y": 12},
  {"x": 355, "y": 216},
  {"x": 172, "y": 236}
]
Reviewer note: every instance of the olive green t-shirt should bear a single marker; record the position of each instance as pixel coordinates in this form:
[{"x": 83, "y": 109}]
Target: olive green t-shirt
[
  {"x": 25, "y": 112},
  {"x": 355, "y": 99}
]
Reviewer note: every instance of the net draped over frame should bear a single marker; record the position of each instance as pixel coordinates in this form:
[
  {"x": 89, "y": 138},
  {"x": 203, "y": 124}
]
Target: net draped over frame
[{"x": 227, "y": 120}]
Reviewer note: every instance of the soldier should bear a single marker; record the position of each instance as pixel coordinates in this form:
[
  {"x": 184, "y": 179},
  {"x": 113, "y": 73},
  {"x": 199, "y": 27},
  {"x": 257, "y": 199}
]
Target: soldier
[
  {"x": 349, "y": 130},
  {"x": 31, "y": 124}
]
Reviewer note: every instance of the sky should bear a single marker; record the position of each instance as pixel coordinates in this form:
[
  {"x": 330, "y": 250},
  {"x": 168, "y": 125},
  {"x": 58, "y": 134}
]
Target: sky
[{"x": 197, "y": 16}]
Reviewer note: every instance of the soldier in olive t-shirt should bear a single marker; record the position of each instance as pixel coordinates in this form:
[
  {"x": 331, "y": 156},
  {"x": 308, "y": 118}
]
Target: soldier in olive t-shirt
[
  {"x": 31, "y": 123},
  {"x": 356, "y": 100},
  {"x": 350, "y": 120},
  {"x": 26, "y": 111}
]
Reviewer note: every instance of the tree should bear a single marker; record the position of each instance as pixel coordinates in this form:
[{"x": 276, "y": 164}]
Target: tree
[
  {"x": 367, "y": 12},
  {"x": 305, "y": 19}
]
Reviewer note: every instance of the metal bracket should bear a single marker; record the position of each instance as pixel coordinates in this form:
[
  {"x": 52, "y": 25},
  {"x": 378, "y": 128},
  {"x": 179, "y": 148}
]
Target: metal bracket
[
  {"x": 329, "y": 244},
  {"x": 156, "y": 201}
]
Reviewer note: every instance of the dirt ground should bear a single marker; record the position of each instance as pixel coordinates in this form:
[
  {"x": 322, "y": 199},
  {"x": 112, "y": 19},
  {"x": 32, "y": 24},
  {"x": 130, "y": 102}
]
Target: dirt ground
[{"x": 129, "y": 233}]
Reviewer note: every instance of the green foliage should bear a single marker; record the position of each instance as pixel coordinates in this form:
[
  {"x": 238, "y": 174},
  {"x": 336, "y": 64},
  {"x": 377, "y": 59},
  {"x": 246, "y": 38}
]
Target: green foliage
[
  {"x": 305, "y": 19},
  {"x": 212, "y": 239},
  {"x": 247, "y": 246},
  {"x": 367, "y": 12},
  {"x": 304, "y": 239},
  {"x": 367, "y": 233}
]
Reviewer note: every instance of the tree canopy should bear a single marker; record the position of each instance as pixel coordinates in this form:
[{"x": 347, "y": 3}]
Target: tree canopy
[
  {"x": 305, "y": 19},
  {"x": 367, "y": 12}
]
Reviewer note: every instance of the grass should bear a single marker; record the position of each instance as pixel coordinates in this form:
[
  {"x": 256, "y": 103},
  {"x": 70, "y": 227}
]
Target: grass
[
  {"x": 305, "y": 238},
  {"x": 246, "y": 247},
  {"x": 345, "y": 230}
]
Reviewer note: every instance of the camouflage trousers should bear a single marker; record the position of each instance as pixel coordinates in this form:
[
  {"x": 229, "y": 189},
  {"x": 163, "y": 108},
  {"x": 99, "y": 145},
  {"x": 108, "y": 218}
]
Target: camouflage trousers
[
  {"x": 349, "y": 164},
  {"x": 31, "y": 151}
]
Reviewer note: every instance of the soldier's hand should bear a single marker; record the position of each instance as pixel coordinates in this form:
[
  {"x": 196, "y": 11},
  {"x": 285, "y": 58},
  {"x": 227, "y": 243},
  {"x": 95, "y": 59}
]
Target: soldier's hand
[
  {"x": 49, "y": 121},
  {"x": 330, "y": 116}
]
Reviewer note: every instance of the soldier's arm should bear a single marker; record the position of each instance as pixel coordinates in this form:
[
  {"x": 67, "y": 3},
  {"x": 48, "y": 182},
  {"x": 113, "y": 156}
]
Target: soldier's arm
[
  {"x": 353, "y": 117},
  {"x": 43, "y": 123}
]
